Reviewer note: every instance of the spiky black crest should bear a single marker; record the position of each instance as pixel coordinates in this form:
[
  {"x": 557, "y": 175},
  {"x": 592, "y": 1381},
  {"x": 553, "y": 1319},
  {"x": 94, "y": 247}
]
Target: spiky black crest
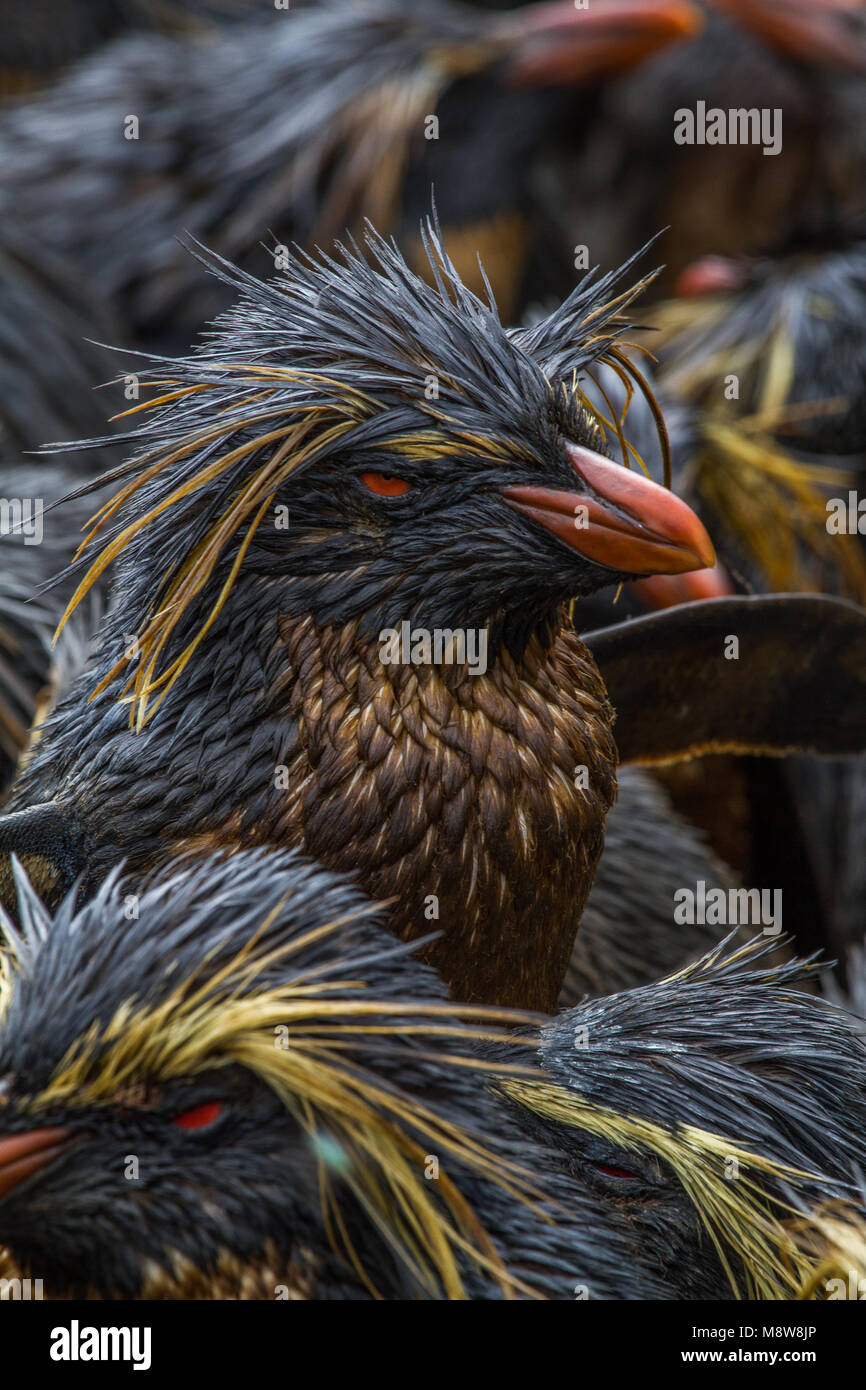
[
  {"x": 742, "y": 1075},
  {"x": 792, "y": 327},
  {"x": 351, "y": 358},
  {"x": 220, "y": 957},
  {"x": 716, "y": 1070},
  {"x": 111, "y": 1023}
]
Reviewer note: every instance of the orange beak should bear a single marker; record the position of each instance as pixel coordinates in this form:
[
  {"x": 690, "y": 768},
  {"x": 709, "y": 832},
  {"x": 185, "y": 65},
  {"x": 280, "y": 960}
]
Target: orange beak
[
  {"x": 669, "y": 590},
  {"x": 710, "y": 275},
  {"x": 559, "y": 45},
  {"x": 812, "y": 31},
  {"x": 24, "y": 1154},
  {"x": 650, "y": 531}
]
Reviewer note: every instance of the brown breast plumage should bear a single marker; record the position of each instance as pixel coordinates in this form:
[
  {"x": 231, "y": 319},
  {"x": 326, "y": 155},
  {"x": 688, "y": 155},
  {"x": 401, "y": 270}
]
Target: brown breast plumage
[{"x": 475, "y": 804}]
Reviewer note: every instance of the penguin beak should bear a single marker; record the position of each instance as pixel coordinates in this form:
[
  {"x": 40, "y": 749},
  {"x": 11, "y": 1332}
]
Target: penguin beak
[
  {"x": 619, "y": 519},
  {"x": 812, "y": 31},
  {"x": 670, "y": 590},
  {"x": 560, "y": 45},
  {"x": 22, "y": 1155},
  {"x": 711, "y": 275}
]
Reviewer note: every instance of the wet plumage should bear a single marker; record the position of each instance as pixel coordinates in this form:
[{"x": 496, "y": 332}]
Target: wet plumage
[
  {"x": 42, "y": 39},
  {"x": 301, "y": 125},
  {"x": 791, "y": 327},
  {"x": 48, "y": 375},
  {"x": 325, "y": 1127},
  {"x": 285, "y": 1074},
  {"x": 359, "y": 451},
  {"x": 627, "y": 936},
  {"x": 725, "y": 197},
  {"x": 353, "y": 451},
  {"x": 263, "y": 710}
]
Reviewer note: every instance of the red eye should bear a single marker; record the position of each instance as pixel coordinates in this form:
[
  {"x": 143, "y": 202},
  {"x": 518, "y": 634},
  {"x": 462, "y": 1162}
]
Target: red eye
[
  {"x": 200, "y": 1117},
  {"x": 611, "y": 1172},
  {"x": 385, "y": 485}
]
